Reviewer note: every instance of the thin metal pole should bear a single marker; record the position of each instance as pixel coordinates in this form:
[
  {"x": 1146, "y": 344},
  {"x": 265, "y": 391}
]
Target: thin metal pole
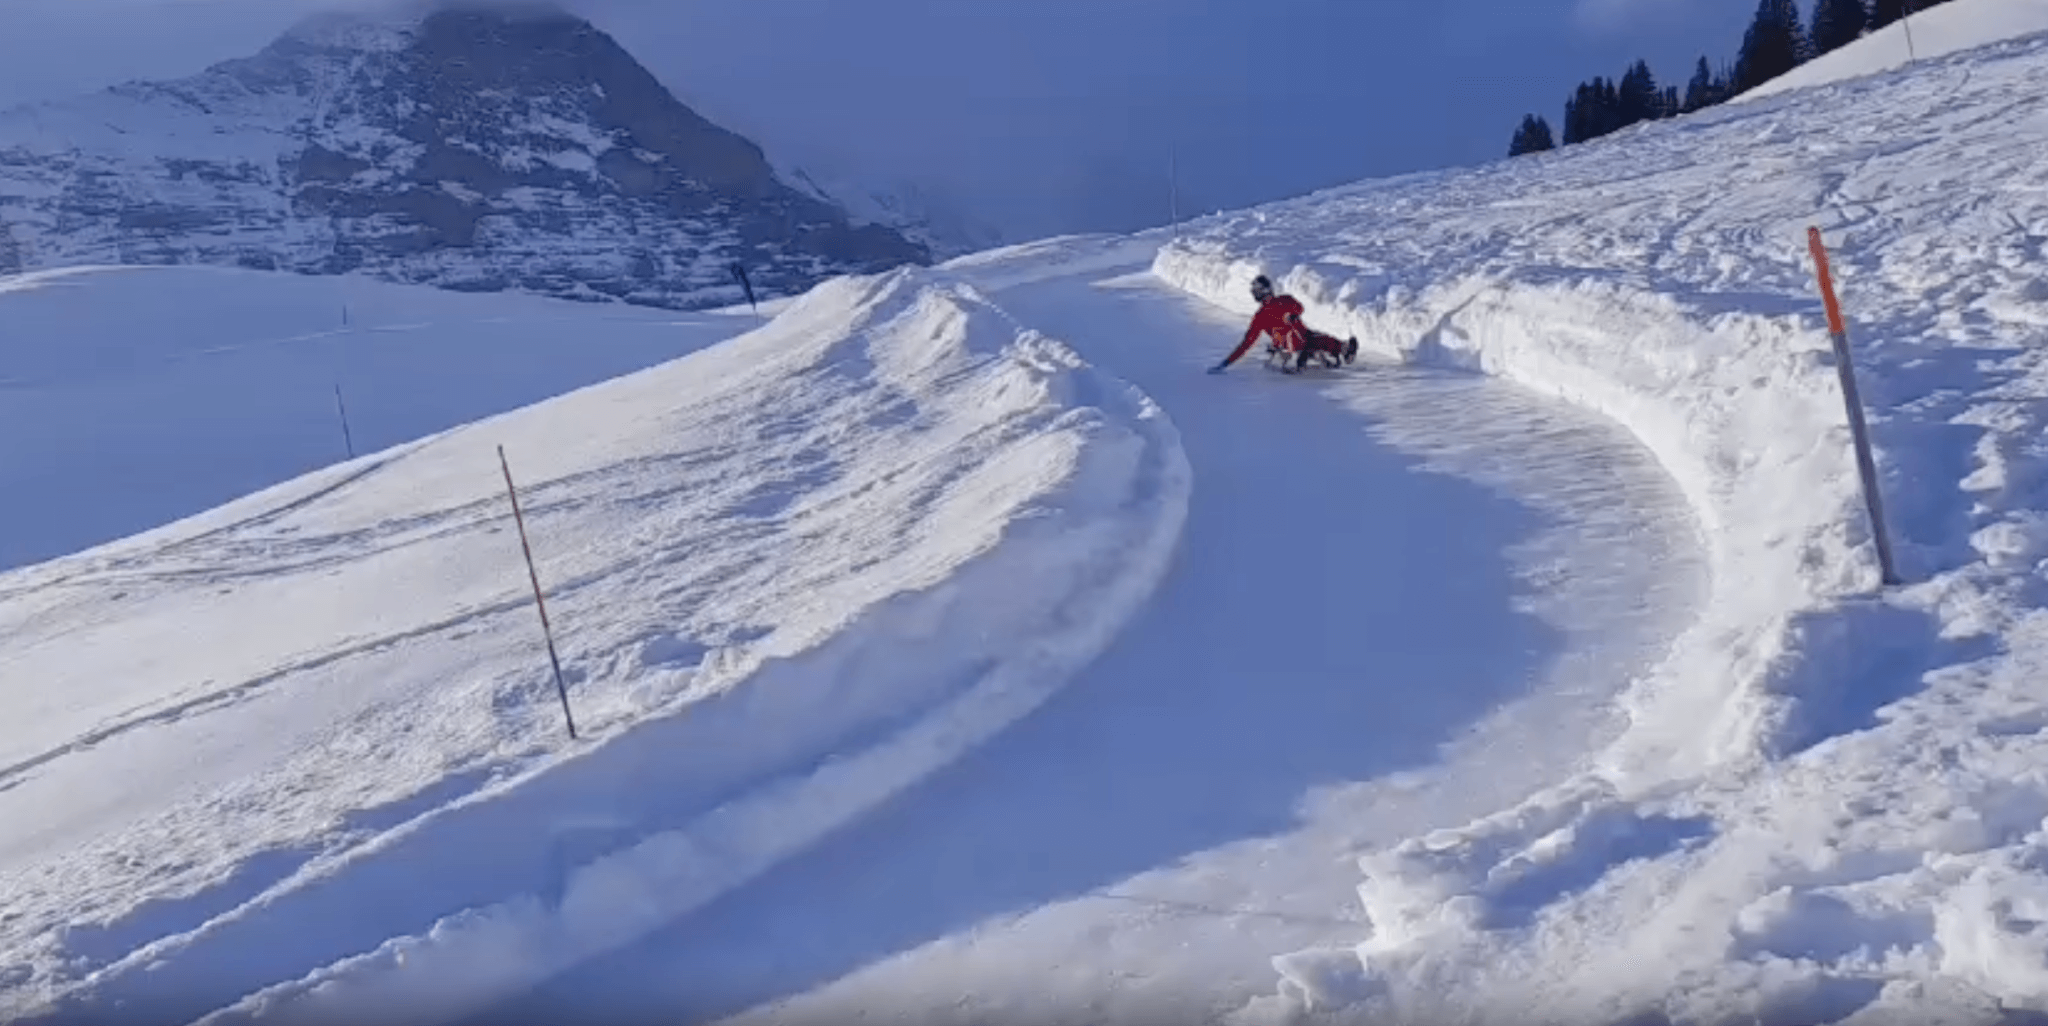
[
  {"x": 1173, "y": 187},
  {"x": 347, "y": 439}
]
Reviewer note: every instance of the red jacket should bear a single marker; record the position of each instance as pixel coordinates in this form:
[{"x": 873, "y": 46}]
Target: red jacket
[{"x": 1281, "y": 317}]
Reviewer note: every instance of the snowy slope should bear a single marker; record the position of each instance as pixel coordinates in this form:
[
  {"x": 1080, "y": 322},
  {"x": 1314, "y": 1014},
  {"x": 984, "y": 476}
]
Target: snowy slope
[
  {"x": 157, "y": 393},
  {"x": 1830, "y": 804},
  {"x": 789, "y": 575},
  {"x": 1934, "y": 33}
]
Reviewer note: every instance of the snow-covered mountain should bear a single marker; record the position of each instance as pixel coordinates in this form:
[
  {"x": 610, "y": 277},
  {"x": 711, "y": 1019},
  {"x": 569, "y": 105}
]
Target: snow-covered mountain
[
  {"x": 470, "y": 148},
  {"x": 923, "y": 213}
]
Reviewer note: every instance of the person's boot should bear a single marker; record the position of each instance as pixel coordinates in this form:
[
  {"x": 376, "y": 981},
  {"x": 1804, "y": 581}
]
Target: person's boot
[{"x": 1351, "y": 350}]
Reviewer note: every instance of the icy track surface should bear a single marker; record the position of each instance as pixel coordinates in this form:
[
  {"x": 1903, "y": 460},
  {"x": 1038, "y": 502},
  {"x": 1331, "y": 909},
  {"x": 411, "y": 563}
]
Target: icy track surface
[{"x": 1403, "y": 598}]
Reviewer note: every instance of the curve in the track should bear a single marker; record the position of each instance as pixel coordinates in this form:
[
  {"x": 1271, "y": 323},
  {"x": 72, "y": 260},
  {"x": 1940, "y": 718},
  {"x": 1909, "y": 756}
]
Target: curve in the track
[{"x": 1404, "y": 598}]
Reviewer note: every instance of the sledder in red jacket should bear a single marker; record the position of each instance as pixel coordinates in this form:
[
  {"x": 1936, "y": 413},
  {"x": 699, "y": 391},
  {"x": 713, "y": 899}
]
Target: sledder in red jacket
[{"x": 1280, "y": 316}]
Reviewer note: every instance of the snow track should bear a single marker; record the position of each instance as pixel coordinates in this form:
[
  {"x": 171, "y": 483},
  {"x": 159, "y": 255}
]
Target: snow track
[{"x": 1404, "y": 598}]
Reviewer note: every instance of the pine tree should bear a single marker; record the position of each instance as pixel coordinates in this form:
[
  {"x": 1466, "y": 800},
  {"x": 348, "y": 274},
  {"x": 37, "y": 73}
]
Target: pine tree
[
  {"x": 1532, "y": 137},
  {"x": 1578, "y": 113},
  {"x": 1837, "y": 23},
  {"x": 1591, "y": 112},
  {"x": 1773, "y": 45},
  {"x": 1884, "y": 12},
  {"x": 1699, "y": 91},
  {"x": 1802, "y": 40},
  {"x": 1636, "y": 96}
]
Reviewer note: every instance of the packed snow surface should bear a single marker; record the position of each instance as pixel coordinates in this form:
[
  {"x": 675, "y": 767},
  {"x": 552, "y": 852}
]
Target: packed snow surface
[{"x": 949, "y": 648}]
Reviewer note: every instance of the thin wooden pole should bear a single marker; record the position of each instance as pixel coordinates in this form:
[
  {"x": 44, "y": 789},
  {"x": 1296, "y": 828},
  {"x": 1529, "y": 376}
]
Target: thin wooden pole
[{"x": 539, "y": 602}]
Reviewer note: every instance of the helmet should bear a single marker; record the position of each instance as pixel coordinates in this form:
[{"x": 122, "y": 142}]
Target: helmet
[{"x": 1262, "y": 288}]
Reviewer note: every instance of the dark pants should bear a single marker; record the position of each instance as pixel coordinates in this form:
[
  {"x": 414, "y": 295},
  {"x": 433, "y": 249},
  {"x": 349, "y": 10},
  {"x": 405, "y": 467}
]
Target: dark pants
[{"x": 1317, "y": 342}]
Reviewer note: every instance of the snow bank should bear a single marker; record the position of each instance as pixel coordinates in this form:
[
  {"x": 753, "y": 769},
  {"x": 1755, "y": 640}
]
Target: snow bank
[
  {"x": 1936, "y": 32},
  {"x": 791, "y": 575},
  {"x": 1819, "y": 808}
]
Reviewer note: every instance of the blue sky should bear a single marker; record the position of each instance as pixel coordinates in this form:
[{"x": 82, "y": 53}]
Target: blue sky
[{"x": 1046, "y": 115}]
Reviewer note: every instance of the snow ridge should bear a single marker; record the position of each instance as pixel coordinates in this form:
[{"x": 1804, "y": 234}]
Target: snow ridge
[{"x": 810, "y": 566}]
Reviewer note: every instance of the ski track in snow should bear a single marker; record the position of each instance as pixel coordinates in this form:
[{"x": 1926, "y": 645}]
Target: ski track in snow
[{"x": 1404, "y": 598}]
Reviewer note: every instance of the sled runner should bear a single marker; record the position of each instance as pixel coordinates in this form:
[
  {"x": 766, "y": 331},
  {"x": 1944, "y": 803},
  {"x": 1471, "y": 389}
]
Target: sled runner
[{"x": 1282, "y": 360}]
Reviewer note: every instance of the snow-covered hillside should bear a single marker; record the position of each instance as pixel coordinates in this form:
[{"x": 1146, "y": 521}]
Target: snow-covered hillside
[
  {"x": 951, "y": 649},
  {"x": 1934, "y": 33},
  {"x": 831, "y": 552}
]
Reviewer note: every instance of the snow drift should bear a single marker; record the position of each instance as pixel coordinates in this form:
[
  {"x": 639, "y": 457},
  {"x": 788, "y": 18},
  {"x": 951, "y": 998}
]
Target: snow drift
[
  {"x": 789, "y": 575},
  {"x": 1820, "y": 808}
]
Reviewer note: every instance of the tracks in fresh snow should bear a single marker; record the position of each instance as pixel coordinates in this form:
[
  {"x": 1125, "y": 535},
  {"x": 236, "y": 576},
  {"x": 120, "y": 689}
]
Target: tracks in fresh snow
[{"x": 1404, "y": 598}]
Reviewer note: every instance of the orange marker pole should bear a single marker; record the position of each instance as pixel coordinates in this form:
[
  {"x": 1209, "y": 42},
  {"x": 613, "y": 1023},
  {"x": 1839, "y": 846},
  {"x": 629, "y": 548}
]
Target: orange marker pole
[{"x": 1866, "y": 465}]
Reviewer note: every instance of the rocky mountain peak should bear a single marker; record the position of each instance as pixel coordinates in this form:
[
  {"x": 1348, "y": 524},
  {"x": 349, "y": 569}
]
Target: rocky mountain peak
[
  {"x": 470, "y": 146},
  {"x": 373, "y": 30}
]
